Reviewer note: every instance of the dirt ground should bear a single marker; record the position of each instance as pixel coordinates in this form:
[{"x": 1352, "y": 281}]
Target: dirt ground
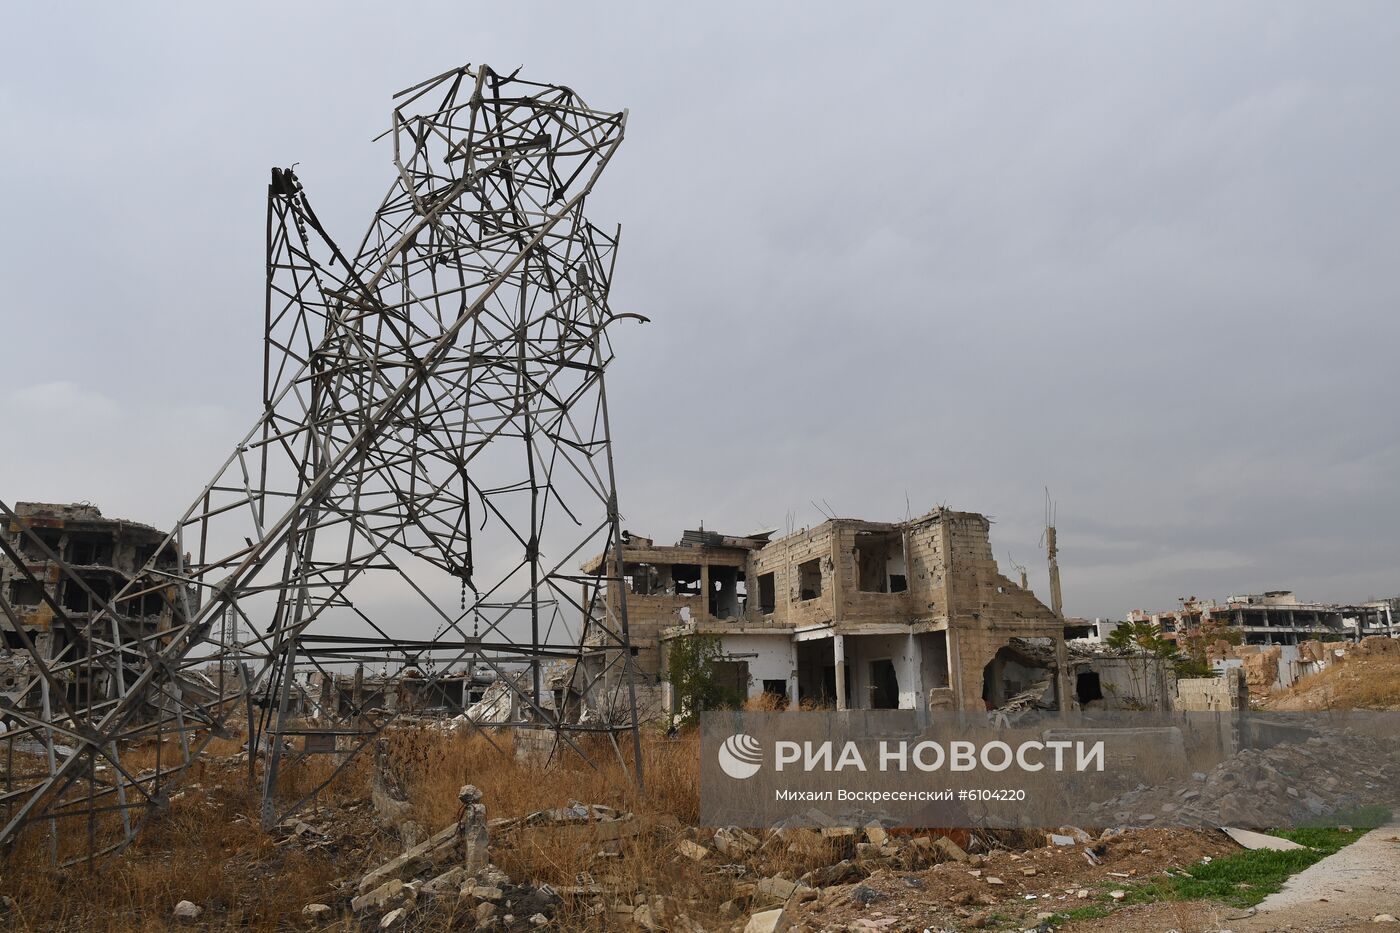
[{"x": 1012, "y": 890}]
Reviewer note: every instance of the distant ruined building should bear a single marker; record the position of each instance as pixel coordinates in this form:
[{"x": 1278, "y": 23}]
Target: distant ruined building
[
  {"x": 54, "y": 612},
  {"x": 856, "y": 614}
]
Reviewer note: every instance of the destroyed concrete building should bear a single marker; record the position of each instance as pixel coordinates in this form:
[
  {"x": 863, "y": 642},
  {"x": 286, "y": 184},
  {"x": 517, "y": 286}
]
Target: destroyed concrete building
[
  {"x": 1277, "y": 617},
  {"x": 855, "y": 614},
  {"x": 105, "y": 554},
  {"x": 341, "y": 695}
]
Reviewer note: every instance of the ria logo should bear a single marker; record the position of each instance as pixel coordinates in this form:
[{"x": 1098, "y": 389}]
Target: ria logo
[{"x": 740, "y": 756}]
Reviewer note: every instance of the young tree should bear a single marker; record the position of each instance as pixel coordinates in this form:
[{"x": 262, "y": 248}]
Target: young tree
[
  {"x": 1147, "y": 643},
  {"x": 693, "y": 665}
]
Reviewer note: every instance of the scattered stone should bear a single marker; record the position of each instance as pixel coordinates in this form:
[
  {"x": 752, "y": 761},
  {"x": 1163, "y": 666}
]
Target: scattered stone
[
  {"x": 1384, "y": 918},
  {"x": 769, "y": 921},
  {"x": 393, "y": 918},
  {"x": 485, "y": 911},
  {"x": 692, "y": 850},
  {"x": 993, "y": 879},
  {"x": 775, "y": 889},
  {"x": 1118, "y": 895},
  {"x": 950, "y": 849},
  {"x": 317, "y": 911},
  {"x": 186, "y": 911},
  {"x": 863, "y": 895},
  {"x": 876, "y": 834}
]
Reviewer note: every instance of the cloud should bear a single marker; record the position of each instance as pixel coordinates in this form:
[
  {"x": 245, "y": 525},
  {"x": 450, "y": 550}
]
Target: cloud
[{"x": 954, "y": 254}]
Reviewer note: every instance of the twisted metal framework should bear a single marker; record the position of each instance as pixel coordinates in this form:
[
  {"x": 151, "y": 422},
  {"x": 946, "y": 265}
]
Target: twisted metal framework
[{"x": 432, "y": 459}]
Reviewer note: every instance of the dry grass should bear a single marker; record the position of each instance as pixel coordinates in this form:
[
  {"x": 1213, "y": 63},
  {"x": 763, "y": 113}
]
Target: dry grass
[
  {"x": 209, "y": 848},
  {"x": 1362, "y": 681}
]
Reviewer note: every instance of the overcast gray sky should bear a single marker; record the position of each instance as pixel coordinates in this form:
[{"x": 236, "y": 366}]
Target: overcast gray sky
[{"x": 1147, "y": 255}]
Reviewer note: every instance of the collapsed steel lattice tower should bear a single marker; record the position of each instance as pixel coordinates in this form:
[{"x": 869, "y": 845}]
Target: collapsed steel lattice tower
[{"x": 432, "y": 462}]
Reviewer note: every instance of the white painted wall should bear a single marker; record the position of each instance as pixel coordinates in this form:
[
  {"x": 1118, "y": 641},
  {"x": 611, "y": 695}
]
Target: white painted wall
[
  {"x": 774, "y": 658},
  {"x": 902, "y": 650}
]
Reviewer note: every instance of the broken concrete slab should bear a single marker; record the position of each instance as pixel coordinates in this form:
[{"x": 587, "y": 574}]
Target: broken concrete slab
[
  {"x": 769, "y": 921},
  {"x": 950, "y": 848},
  {"x": 435, "y": 850},
  {"x": 390, "y": 892},
  {"x": 1252, "y": 840}
]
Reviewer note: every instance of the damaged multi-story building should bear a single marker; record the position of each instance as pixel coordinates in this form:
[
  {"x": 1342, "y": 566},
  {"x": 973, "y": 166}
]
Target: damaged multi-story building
[
  {"x": 855, "y": 614},
  {"x": 1277, "y": 617},
  {"x": 56, "y": 613}
]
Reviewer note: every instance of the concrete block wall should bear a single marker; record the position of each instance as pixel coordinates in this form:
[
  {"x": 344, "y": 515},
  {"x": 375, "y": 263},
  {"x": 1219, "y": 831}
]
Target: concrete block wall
[
  {"x": 1213, "y": 694},
  {"x": 782, "y": 559}
]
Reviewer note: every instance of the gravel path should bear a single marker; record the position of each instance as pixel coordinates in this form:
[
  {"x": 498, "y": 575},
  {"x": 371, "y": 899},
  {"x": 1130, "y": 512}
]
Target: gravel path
[{"x": 1340, "y": 892}]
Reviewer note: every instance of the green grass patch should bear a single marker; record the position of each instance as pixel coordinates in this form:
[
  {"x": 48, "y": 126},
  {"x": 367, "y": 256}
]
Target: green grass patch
[
  {"x": 1092, "y": 912},
  {"x": 1246, "y": 878}
]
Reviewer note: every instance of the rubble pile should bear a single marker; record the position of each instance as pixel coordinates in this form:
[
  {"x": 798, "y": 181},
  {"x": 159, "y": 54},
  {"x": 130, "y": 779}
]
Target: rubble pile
[
  {"x": 451, "y": 865},
  {"x": 1294, "y": 784}
]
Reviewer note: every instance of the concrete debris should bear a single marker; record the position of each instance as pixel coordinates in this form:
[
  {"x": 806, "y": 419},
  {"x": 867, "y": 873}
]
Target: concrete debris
[
  {"x": 735, "y": 842},
  {"x": 769, "y": 921},
  {"x": 390, "y": 892},
  {"x": 317, "y": 912},
  {"x": 1332, "y": 773},
  {"x": 692, "y": 850},
  {"x": 1253, "y": 840}
]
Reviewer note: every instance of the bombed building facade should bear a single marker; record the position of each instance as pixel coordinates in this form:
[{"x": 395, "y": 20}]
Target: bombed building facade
[
  {"x": 855, "y": 614},
  {"x": 53, "y": 611}
]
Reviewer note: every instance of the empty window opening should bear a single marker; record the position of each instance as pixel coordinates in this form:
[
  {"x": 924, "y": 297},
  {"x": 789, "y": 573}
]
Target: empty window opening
[
  {"x": 884, "y": 685},
  {"x": 767, "y": 594},
  {"x": 90, "y": 551},
  {"x": 77, "y": 599},
  {"x": 642, "y": 579},
  {"x": 46, "y": 535},
  {"x": 727, "y": 592},
  {"x": 74, "y": 597},
  {"x": 1088, "y": 687},
  {"x": 687, "y": 579},
  {"x": 809, "y": 579},
  {"x": 26, "y": 592},
  {"x": 880, "y": 562},
  {"x": 13, "y": 640}
]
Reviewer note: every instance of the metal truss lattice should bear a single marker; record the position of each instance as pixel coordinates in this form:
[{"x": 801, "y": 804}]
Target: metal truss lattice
[{"x": 431, "y": 466}]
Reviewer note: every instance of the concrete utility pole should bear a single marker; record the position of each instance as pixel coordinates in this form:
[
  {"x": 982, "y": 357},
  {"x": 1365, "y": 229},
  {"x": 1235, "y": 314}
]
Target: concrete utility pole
[{"x": 1052, "y": 552}]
